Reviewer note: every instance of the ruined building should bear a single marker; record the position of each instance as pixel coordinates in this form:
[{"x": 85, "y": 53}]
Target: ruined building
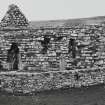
[{"x": 52, "y": 48}]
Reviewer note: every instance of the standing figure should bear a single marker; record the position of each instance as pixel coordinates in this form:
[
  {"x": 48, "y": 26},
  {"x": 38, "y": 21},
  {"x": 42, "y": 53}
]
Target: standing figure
[{"x": 13, "y": 57}]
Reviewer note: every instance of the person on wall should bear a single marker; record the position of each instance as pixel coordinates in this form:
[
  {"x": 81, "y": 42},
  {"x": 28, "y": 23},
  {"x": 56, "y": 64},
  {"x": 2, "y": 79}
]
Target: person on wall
[{"x": 13, "y": 57}]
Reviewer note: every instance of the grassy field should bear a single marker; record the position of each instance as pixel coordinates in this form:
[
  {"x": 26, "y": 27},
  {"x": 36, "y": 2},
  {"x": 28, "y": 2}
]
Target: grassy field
[
  {"x": 68, "y": 22},
  {"x": 94, "y": 95}
]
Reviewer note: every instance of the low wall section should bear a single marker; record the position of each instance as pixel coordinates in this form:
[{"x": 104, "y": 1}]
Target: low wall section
[{"x": 24, "y": 82}]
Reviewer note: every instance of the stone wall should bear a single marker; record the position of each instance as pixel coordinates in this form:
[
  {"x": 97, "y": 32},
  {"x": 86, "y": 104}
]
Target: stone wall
[
  {"x": 60, "y": 48},
  {"x": 25, "y": 82}
]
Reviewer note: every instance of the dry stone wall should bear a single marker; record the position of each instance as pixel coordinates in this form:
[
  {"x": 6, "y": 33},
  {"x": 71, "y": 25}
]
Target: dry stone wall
[
  {"x": 25, "y": 82},
  {"x": 62, "y": 48}
]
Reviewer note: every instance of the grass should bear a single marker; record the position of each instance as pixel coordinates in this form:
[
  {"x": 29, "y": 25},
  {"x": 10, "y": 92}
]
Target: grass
[{"x": 94, "y": 95}]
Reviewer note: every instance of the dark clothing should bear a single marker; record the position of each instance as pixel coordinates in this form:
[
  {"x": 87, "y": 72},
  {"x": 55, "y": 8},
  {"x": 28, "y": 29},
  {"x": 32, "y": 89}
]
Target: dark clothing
[
  {"x": 72, "y": 47},
  {"x": 13, "y": 57}
]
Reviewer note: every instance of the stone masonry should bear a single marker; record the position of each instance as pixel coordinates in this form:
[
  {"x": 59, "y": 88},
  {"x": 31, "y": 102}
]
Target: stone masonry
[
  {"x": 88, "y": 47},
  {"x": 25, "y": 82},
  {"x": 53, "y": 48},
  {"x": 63, "y": 56}
]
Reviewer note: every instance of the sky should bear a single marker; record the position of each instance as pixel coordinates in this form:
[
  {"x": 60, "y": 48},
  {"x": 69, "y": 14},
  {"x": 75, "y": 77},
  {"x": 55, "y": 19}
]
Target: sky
[{"x": 36, "y": 10}]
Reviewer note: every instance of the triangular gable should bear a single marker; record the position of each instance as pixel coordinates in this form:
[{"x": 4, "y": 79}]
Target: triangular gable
[{"x": 14, "y": 18}]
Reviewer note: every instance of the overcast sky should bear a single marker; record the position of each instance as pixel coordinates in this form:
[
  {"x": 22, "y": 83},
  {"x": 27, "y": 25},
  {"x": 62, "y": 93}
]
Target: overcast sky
[{"x": 56, "y": 9}]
